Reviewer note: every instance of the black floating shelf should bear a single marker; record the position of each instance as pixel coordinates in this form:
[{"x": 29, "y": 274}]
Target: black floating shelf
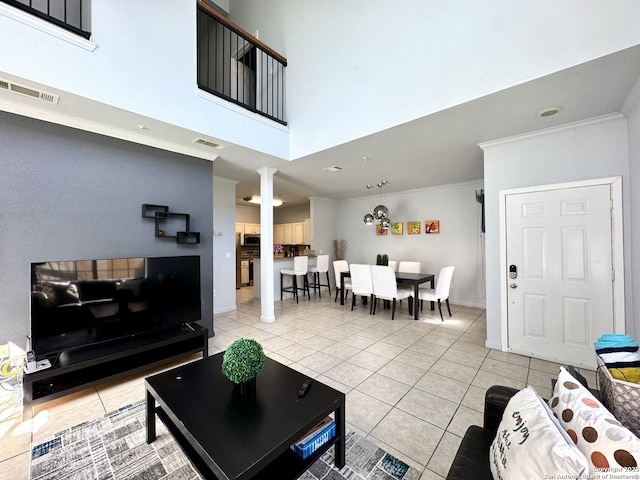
[{"x": 160, "y": 214}]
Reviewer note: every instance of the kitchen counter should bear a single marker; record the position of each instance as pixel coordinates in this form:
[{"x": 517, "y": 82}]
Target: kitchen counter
[{"x": 278, "y": 264}]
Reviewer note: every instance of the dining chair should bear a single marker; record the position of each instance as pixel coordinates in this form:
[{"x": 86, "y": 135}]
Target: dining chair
[
  {"x": 441, "y": 292},
  {"x": 361, "y": 283},
  {"x": 322, "y": 266},
  {"x": 386, "y": 288},
  {"x": 409, "y": 267},
  {"x": 300, "y": 269},
  {"x": 393, "y": 264},
  {"x": 338, "y": 267}
]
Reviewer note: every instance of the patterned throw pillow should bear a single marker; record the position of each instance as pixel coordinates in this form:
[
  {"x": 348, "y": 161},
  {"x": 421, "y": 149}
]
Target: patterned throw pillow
[
  {"x": 531, "y": 444},
  {"x": 600, "y": 437}
]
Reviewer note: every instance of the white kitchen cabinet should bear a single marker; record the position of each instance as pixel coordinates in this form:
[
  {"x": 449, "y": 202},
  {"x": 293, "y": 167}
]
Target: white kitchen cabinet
[
  {"x": 298, "y": 233},
  {"x": 287, "y": 233},
  {"x": 307, "y": 232},
  {"x": 278, "y": 233}
]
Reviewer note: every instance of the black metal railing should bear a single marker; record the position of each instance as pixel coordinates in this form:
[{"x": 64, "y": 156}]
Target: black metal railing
[
  {"x": 72, "y": 15},
  {"x": 239, "y": 68}
]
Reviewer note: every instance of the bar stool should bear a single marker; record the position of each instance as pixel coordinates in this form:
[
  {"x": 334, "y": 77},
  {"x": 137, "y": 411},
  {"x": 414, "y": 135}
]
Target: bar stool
[
  {"x": 322, "y": 266},
  {"x": 300, "y": 268}
]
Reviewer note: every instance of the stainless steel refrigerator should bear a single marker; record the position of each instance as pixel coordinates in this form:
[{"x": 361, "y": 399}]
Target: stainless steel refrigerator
[{"x": 238, "y": 262}]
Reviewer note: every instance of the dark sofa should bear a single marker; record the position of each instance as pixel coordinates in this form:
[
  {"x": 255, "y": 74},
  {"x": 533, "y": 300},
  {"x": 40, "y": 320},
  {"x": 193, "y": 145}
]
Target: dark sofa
[{"x": 472, "y": 459}]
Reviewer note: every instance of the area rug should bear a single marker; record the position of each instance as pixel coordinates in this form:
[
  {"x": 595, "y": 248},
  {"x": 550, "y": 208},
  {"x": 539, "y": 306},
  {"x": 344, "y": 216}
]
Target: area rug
[{"x": 114, "y": 448}]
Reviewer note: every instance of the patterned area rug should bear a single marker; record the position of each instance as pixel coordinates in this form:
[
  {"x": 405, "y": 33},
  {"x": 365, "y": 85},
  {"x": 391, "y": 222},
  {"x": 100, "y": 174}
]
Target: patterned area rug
[{"x": 114, "y": 448}]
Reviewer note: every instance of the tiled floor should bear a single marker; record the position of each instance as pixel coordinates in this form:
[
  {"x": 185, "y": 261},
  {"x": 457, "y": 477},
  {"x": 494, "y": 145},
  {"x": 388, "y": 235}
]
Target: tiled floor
[{"x": 413, "y": 387}]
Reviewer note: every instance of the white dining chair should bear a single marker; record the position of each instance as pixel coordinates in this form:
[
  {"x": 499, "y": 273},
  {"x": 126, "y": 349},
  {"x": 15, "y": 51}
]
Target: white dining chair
[
  {"x": 300, "y": 269},
  {"x": 340, "y": 266},
  {"x": 394, "y": 265},
  {"x": 409, "y": 267},
  {"x": 361, "y": 283},
  {"x": 441, "y": 292},
  {"x": 386, "y": 288},
  {"x": 322, "y": 266}
]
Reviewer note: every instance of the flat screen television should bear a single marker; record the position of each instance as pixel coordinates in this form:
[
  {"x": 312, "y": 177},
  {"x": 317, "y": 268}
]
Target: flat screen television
[{"x": 81, "y": 303}]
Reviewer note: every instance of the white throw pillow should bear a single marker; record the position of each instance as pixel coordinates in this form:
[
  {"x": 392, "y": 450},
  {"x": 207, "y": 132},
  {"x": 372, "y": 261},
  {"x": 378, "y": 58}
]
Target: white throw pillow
[
  {"x": 600, "y": 437},
  {"x": 531, "y": 444}
]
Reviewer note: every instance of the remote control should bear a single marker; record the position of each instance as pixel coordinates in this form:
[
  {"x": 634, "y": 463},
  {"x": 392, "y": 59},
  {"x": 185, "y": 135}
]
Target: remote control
[{"x": 304, "y": 388}]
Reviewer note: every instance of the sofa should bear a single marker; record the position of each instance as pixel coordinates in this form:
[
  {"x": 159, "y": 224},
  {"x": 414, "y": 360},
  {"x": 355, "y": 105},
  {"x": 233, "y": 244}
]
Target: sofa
[{"x": 571, "y": 434}]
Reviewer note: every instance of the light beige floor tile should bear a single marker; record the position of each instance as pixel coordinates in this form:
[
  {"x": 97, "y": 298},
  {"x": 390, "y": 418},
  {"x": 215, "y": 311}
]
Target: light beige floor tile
[
  {"x": 454, "y": 370},
  {"x": 410, "y": 435},
  {"x": 383, "y": 388},
  {"x": 417, "y": 359},
  {"x": 15, "y": 438},
  {"x": 358, "y": 341},
  {"x": 486, "y": 379},
  {"x": 429, "y": 408},
  {"x": 349, "y": 374},
  {"x": 427, "y": 348},
  {"x": 408, "y": 460},
  {"x": 53, "y": 417},
  {"x": 430, "y": 475},
  {"x": 296, "y": 352},
  {"x": 276, "y": 343},
  {"x": 385, "y": 350},
  {"x": 320, "y": 362},
  {"x": 505, "y": 369},
  {"x": 545, "y": 366},
  {"x": 509, "y": 357},
  {"x": 444, "y": 387},
  {"x": 474, "y": 398},
  {"x": 341, "y": 387},
  {"x": 15, "y": 468},
  {"x": 363, "y": 411},
  {"x": 402, "y": 372},
  {"x": 464, "y": 417},
  {"x": 369, "y": 360},
  {"x": 443, "y": 456},
  {"x": 341, "y": 351},
  {"x": 464, "y": 358}
]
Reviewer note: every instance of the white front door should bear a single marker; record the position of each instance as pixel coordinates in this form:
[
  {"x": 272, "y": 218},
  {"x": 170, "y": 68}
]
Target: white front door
[{"x": 559, "y": 272}]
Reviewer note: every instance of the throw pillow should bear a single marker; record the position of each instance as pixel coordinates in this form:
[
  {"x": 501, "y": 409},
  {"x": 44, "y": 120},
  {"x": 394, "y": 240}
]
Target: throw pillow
[
  {"x": 600, "y": 437},
  {"x": 531, "y": 444}
]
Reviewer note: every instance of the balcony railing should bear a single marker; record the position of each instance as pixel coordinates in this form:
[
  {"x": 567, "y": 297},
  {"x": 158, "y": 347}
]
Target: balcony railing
[
  {"x": 235, "y": 66},
  {"x": 72, "y": 15}
]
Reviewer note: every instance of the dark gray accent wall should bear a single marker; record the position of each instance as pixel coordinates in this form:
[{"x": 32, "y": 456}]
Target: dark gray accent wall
[{"x": 68, "y": 194}]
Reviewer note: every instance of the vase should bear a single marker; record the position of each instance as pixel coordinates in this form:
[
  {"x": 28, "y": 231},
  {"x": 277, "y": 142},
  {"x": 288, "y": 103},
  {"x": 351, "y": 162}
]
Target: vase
[{"x": 246, "y": 389}]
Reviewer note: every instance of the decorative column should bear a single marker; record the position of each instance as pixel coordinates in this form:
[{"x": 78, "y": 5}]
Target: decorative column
[{"x": 267, "y": 314}]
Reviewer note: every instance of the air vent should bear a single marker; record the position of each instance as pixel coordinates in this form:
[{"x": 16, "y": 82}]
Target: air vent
[
  {"x": 29, "y": 92},
  {"x": 208, "y": 143},
  {"x": 334, "y": 168}
]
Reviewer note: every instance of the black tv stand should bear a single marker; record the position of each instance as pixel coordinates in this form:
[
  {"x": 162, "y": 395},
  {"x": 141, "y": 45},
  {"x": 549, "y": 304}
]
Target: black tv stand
[{"x": 76, "y": 369}]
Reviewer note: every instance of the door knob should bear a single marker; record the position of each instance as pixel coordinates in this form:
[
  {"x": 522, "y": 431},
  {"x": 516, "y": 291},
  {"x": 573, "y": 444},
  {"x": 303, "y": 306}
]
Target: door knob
[{"x": 513, "y": 285}]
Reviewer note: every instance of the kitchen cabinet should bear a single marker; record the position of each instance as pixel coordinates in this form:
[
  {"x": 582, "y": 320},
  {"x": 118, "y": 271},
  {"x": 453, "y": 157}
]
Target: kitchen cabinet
[
  {"x": 287, "y": 233},
  {"x": 252, "y": 228},
  {"x": 307, "y": 231},
  {"x": 278, "y": 233},
  {"x": 298, "y": 233}
]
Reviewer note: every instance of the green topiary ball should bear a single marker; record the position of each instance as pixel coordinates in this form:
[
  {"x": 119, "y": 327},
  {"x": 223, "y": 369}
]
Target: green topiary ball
[{"x": 242, "y": 360}]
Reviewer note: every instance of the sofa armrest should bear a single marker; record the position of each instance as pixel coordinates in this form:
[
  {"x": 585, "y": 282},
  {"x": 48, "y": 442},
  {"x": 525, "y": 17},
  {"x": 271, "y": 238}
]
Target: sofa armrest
[{"x": 495, "y": 401}]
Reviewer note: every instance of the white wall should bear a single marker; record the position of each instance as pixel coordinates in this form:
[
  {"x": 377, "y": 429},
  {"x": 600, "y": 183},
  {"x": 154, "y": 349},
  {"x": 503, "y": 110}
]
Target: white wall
[
  {"x": 144, "y": 61},
  {"x": 587, "y": 150},
  {"x": 285, "y": 214},
  {"x": 224, "y": 242},
  {"x": 324, "y": 214},
  {"x": 246, "y": 214},
  {"x": 457, "y": 244},
  {"x": 349, "y": 61},
  {"x": 633, "y": 128}
]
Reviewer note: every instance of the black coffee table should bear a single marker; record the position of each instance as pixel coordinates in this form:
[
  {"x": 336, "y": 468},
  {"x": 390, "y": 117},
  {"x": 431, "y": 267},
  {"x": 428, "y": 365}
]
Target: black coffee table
[{"x": 229, "y": 438}]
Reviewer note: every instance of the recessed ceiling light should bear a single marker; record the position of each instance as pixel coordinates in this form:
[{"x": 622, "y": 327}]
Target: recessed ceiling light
[{"x": 547, "y": 112}]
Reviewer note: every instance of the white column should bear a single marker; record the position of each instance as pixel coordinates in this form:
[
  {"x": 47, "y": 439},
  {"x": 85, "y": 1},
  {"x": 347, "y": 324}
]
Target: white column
[{"x": 267, "y": 313}]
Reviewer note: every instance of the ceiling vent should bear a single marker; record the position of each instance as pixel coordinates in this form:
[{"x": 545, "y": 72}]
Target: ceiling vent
[
  {"x": 334, "y": 168},
  {"x": 29, "y": 92},
  {"x": 208, "y": 143}
]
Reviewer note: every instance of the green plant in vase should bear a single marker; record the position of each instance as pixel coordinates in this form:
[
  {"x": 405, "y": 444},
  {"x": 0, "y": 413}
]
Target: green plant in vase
[{"x": 241, "y": 363}]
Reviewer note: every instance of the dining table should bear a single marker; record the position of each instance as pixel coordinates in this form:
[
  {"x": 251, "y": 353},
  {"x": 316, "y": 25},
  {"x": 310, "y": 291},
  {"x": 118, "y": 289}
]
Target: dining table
[{"x": 414, "y": 279}]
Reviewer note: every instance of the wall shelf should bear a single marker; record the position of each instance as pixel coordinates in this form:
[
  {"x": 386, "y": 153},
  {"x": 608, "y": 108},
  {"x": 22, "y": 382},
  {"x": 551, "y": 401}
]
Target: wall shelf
[{"x": 161, "y": 215}]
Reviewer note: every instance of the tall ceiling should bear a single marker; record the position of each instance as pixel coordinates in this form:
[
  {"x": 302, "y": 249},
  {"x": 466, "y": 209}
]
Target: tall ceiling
[{"x": 437, "y": 149}]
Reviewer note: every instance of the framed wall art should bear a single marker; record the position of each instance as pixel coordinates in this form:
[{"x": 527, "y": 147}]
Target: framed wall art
[
  {"x": 381, "y": 231},
  {"x": 396, "y": 228},
  {"x": 413, "y": 228},
  {"x": 432, "y": 226}
]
